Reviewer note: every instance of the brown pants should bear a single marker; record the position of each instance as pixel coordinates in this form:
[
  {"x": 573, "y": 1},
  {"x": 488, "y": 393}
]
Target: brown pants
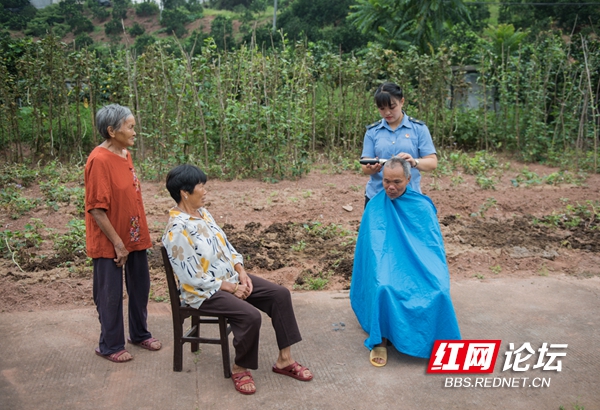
[{"x": 245, "y": 318}]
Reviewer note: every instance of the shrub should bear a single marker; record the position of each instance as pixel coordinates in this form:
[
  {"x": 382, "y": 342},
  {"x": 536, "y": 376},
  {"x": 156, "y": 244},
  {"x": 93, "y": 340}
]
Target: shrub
[
  {"x": 175, "y": 20},
  {"x": 136, "y": 30},
  {"x": 113, "y": 27},
  {"x": 142, "y": 42},
  {"x": 147, "y": 8}
]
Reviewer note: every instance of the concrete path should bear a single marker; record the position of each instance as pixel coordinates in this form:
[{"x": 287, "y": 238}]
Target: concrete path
[{"x": 47, "y": 359}]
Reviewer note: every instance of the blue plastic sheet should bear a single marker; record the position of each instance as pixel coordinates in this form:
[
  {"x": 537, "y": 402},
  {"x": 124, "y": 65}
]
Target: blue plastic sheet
[{"x": 400, "y": 286}]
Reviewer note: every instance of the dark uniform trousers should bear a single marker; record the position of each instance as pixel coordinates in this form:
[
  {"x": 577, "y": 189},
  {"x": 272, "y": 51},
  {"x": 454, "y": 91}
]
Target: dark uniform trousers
[
  {"x": 108, "y": 297},
  {"x": 245, "y": 318}
]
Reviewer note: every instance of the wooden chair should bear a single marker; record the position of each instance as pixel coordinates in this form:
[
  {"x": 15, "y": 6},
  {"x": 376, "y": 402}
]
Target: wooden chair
[{"x": 181, "y": 311}]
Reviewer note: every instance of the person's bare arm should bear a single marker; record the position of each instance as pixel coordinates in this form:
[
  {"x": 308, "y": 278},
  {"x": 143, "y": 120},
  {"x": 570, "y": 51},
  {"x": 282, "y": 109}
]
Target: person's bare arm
[
  {"x": 106, "y": 227},
  {"x": 426, "y": 163}
]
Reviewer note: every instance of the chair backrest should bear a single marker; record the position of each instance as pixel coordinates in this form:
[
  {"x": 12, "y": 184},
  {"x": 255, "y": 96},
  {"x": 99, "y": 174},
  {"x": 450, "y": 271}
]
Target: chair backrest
[{"x": 174, "y": 294}]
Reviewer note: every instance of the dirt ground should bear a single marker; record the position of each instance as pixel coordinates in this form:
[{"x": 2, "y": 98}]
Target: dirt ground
[{"x": 301, "y": 233}]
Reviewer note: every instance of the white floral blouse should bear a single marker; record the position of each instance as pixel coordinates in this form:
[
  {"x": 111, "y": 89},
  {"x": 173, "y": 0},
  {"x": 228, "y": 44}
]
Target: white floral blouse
[{"x": 201, "y": 256}]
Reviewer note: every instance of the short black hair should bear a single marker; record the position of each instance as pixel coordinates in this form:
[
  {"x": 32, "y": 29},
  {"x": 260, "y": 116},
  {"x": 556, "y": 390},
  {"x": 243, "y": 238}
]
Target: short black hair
[
  {"x": 184, "y": 178},
  {"x": 385, "y": 92}
]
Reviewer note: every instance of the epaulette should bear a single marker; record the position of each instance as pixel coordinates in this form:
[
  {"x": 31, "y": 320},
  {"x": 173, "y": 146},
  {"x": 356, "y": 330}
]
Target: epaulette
[
  {"x": 416, "y": 121},
  {"x": 376, "y": 123}
]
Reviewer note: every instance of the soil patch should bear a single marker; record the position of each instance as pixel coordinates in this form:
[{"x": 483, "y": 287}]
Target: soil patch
[{"x": 302, "y": 233}]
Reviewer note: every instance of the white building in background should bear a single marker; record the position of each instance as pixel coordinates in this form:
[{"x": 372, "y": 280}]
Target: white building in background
[{"x": 40, "y": 4}]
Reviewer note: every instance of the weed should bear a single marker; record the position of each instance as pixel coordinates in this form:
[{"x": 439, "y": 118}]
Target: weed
[
  {"x": 356, "y": 188},
  {"x": 479, "y": 276},
  {"x": 299, "y": 246},
  {"x": 489, "y": 203},
  {"x": 317, "y": 283},
  {"x": 575, "y": 406},
  {"x": 316, "y": 228},
  {"x": 496, "y": 269},
  {"x": 543, "y": 271},
  {"x": 307, "y": 194},
  {"x": 435, "y": 185},
  {"x": 444, "y": 166},
  {"x": 485, "y": 182},
  {"x": 457, "y": 180}
]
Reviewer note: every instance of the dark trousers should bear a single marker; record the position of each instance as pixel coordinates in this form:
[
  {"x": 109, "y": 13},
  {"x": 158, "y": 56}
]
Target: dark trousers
[
  {"x": 245, "y": 318},
  {"x": 367, "y": 199},
  {"x": 108, "y": 297}
]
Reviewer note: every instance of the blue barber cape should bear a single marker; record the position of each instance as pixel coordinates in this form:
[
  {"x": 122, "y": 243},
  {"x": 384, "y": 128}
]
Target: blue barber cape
[{"x": 400, "y": 282}]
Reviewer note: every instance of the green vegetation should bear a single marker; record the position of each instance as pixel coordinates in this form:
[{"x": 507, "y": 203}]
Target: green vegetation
[
  {"x": 73, "y": 242},
  {"x": 529, "y": 178},
  {"x": 312, "y": 281},
  {"x": 586, "y": 215},
  {"x": 489, "y": 203},
  {"x": 251, "y": 102}
]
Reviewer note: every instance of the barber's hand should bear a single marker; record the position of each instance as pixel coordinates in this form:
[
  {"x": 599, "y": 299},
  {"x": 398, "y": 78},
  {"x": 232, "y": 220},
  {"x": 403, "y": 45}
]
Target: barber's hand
[
  {"x": 370, "y": 169},
  {"x": 374, "y": 167},
  {"x": 122, "y": 254},
  {"x": 408, "y": 158}
]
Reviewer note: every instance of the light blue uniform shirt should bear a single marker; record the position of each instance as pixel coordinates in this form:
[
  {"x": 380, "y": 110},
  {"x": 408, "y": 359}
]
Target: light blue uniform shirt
[{"x": 412, "y": 136}]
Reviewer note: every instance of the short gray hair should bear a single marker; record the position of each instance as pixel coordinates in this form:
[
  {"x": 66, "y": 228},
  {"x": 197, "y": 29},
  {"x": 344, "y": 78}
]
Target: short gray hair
[
  {"x": 112, "y": 115},
  {"x": 397, "y": 161}
]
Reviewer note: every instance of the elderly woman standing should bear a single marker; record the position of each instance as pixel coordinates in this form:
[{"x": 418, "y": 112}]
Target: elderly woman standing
[
  {"x": 117, "y": 236},
  {"x": 213, "y": 280}
]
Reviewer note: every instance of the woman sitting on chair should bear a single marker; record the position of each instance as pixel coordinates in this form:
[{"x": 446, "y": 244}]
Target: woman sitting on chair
[{"x": 213, "y": 280}]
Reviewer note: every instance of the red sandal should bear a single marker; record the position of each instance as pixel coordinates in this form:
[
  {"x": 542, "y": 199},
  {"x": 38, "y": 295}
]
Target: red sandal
[
  {"x": 238, "y": 382},
  {"x": 114, "y": 357},
  {"x": 147, "y": 344},
  {"x": 294, "y": 370}
]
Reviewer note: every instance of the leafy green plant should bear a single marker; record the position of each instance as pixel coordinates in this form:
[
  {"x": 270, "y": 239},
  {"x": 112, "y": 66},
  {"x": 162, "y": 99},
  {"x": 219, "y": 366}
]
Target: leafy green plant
[
  {"x": 527, "y": 178},
  {"x": 485, "y": 182},
  {"x": 457, "y": 180},
  {"x": 317, "y": 283},
  {"x": 12, "y": 200},
  {"x": 496, "y": 269},
  {"x": 14, "y": 244},
  {"x": 572, "y": 216},
  {"x": 299, "y": 246},
  {"x": 489, "y": 203},
  {"x": 72, "y": 243}
]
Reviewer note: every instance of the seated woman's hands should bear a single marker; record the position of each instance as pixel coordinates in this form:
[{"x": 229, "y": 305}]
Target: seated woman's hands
[{"x": 244, "y": 280}]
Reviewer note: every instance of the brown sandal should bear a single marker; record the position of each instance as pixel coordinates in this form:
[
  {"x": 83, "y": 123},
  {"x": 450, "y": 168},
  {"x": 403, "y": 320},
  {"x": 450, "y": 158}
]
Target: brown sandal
[
  {"x": 294, "y": 370},
  {"x": 238, "y": 382}
]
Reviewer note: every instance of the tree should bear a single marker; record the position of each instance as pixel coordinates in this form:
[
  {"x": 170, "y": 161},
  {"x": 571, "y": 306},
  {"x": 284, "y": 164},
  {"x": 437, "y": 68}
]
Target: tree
[
  {"x": 398, "y": 24},
  {"x": 146, "y": 8},
  {"x": 174, "y": 20},
  {"x": 221, "y": 30},
  {"x": 564, "y": 14},
  {"x": 16, "y": 13},
  {"x": 321, "y": 20}
]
